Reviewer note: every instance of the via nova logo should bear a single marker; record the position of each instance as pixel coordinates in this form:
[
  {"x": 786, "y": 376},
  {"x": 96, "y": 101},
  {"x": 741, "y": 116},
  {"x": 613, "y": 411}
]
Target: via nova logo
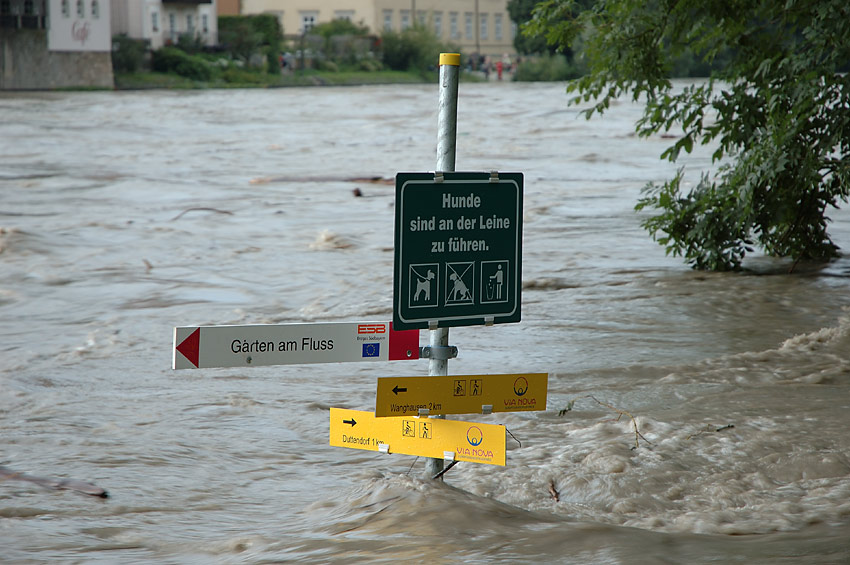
[
  {"x": 520, "y": 386},
  {"x": 474, "y": 436}
]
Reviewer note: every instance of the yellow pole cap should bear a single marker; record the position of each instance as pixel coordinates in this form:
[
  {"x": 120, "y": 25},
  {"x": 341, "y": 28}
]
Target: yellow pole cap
[{"x": 450, "y": 59}]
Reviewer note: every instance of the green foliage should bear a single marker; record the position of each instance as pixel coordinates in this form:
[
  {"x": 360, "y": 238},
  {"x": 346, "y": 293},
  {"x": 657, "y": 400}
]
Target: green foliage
[
  {"x": 369, "y": 65},
  {"x": 778, "y": 111},
  {"x": 342, "y": 44},
  {"x": 177, "y": 61},
  {"x": 415, "y": 48},
  {"x": 241, "y": 77},
  {"x": 238, "y": 37},
  {"x": 520, "y": 11},
  {"x": 242, "y": 36},
  {"x": 327, "y": 65},
  {"x": 339, "y": 27},
  {"x": 192, "y": 44},
  {"x": 266, "y": 26},
  {"x": 128, "y": 55},
  {"x": 547, "y": 67}
]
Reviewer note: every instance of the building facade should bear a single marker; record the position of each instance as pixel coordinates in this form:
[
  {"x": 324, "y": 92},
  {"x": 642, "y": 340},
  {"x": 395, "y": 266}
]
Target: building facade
[
  {"x": 47, "y": 44},
  {"x": 477, "y": 26},
  {"x": 162, "y": 22}
]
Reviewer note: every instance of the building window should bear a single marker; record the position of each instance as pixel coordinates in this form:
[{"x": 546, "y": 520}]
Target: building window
[
  {"x": 405, "y": 19},
  {"x": 467, "y": 25},
  {"x": 438, "y": 24},
  {"x": 66, "y": 8},
  {"x": 483, "y": 31},
  {"x": 388, "y": 20},
  {"x": 81, "y": 9},
  {"x": 190, "y": 24},
  {"x": 453, "y": 31},
  {"x": 422, "y": 17},
  {"x": 172, "y": 26},
  {"x": 497, "y": 26},
  {"x": 155, "y": 21},
  {"x": 5, "y": 7},
  {"x": 95, "y": 9},
  {"x": 308, "y": 21},
  {"x": 205, "y": 23},
  {"x": 347, "y": 15}
]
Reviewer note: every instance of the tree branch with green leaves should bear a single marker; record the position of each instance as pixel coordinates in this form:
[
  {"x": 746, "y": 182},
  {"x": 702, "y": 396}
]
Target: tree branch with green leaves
[{"x": 776, "y": 106}]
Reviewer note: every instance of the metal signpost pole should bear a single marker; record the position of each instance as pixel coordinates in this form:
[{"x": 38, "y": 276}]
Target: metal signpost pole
[{"x": 446, "y": 150}]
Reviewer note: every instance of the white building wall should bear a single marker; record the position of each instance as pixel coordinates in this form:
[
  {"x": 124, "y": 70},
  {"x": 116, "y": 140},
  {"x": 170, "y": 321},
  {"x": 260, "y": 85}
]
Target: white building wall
[
  {"x": 151, "y": 20},
  {"x": 79, "y": 25}
]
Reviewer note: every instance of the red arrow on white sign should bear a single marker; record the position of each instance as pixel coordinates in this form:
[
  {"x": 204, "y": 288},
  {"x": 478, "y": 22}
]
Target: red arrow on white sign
[{"x": 191, "y": 346}]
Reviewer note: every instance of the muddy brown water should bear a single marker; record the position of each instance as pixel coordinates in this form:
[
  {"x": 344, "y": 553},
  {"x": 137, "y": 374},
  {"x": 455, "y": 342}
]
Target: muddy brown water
[{"x": 124, "y": 214}]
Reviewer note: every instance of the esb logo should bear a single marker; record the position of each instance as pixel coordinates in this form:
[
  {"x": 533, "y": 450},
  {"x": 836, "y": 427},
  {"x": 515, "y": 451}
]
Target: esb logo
[{"x": 371, "y": 328}]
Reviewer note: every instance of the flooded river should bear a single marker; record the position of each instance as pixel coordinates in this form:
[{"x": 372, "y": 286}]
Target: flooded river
[{"x": 125, "y": 214}]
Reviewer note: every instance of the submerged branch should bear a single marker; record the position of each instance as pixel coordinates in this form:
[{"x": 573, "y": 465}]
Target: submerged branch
[
  {"x": 446, "y": 470},
  {"x": 7, "y": 474},
  {"x": 553, "y": 492},
  {"x": 710, "y": 429},
  {"x": 621, "y": 413},
  {"x": 201, "y": 209}
]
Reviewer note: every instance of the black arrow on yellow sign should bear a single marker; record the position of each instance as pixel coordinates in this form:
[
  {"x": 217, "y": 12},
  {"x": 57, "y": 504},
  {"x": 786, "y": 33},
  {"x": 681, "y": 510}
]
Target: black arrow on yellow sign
[
  {"x": 397, "y": 389},
  {"x": 352, "y": 422}
]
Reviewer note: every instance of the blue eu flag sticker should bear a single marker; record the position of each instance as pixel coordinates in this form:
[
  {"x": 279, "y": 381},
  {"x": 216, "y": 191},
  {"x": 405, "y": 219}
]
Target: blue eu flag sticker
[{"x": 371, "y": 350}]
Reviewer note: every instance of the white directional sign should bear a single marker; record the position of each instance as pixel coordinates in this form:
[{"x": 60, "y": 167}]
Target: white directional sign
[{"x": 258, "y": 345}]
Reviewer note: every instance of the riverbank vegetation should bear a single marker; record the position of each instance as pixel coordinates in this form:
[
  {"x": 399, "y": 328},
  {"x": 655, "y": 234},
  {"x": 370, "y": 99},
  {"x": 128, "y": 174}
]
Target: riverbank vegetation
[
  {"x": 557, "y": 61},
  {"x": 776, "y": 105},
  {"x": 254, "y": 53}
]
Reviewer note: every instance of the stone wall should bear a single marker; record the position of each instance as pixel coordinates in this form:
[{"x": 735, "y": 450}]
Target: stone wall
[{"x": 26, "y": 64}]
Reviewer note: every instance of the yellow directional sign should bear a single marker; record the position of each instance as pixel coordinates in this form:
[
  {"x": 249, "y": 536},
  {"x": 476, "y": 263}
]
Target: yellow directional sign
[
  {"x": 461, "y": 394},
  {"x": 427, "y": 437}
]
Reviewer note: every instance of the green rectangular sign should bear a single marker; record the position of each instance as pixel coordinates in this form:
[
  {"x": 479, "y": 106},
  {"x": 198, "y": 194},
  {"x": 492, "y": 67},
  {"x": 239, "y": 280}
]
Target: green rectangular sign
[{"x": 458, "y": 249}]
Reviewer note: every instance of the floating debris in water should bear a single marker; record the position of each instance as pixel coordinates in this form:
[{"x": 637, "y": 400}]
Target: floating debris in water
[{"x": 7, "y": 474}]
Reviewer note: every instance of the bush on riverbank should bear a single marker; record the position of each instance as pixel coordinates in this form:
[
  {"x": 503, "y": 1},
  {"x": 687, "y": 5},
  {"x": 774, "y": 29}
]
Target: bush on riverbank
[
  {"x": 242, "y": 37},
  {"x": 128, "y": 55},
  {"x": 177, "y": 61},
  {"x": 547, "y": 68},
  {"x": 414, "y": 49}
]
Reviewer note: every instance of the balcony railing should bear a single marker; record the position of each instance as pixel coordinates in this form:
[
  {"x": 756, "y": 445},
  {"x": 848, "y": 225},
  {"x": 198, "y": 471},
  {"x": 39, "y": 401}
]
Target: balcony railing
[{"x": 21, "y": 21}]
